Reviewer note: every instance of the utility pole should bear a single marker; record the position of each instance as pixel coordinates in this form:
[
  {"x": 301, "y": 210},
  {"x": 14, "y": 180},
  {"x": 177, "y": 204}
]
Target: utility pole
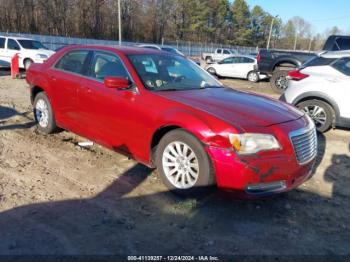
[
  {"x": 270, "y": 34},
  {"x": 120, "y": 23}
]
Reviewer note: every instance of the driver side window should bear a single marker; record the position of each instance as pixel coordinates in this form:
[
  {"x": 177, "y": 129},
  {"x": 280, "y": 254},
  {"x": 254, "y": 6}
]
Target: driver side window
[{"x": 105, "y": 64}]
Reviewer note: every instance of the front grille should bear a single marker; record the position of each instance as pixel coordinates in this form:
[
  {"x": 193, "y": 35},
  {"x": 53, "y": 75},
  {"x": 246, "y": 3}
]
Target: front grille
[{"x": 304, "y": 143}]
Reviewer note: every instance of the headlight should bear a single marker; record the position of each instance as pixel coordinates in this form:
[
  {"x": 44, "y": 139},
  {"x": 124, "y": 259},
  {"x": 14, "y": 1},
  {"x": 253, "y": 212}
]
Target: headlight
[
  {"x": 41, "y": 56},
  {"x": 250, "y": 143}
]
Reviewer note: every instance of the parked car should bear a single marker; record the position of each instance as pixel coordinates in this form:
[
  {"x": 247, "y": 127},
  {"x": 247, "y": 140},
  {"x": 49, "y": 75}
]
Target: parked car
[
  {"x": 238, "y": 66},
  {"x": 277, "y": 63},
  {"x": 170, "y": 49},
  {"x": 163, "y": 48},
  {"x": 167, "y": 112},
  {"x": 321, "y": 89},
  {"x": 29, "y": 50},
  {"x": 218, "y": 55}
]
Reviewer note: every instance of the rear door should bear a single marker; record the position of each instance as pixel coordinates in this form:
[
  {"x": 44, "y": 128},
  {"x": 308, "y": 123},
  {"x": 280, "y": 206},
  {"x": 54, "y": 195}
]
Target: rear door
[
  {"x": 244, "y": 66},
  {"x": 65, "y": 79}
]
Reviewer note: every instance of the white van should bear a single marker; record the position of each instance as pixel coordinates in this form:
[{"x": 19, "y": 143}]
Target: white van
[{"x": 29, "y": 51}]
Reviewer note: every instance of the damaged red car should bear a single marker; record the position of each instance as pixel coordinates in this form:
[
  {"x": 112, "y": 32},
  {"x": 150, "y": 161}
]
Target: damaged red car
[{"x": 165, "y": 111}]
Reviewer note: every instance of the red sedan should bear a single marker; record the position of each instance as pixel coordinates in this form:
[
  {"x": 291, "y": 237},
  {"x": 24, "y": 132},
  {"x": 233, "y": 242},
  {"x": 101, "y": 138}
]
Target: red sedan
[{"x": 166, "y": 112}]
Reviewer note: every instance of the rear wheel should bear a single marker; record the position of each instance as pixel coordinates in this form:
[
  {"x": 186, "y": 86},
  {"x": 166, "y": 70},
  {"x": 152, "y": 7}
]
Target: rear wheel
[
  {"x": 279, "y": 81},
  {"x": 253, "y": 76},
  {"x": 320, "y": 112},
  {"x": 44, "y": 115},
  {"x": 183, "y": 164}
]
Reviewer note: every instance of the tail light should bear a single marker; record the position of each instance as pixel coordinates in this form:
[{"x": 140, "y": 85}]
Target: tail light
[
  {"x": 296, "y": 75},
  {"x": 258, "y": 57}
]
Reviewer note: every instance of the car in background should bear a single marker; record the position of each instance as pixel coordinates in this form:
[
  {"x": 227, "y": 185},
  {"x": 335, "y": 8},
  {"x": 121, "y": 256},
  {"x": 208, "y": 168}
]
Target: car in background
[
  {"x": 170, "y": 49},
  {"x": 163, "y": 48},
  {"x": 236, "y": 66},
  {"x": 29, "y": 51},
  {"x": 321, "y": 88},
  {"x": 218, "y": 55},
  {"x": 277, "y": 63},
  {"x": 167, "y": 112}
]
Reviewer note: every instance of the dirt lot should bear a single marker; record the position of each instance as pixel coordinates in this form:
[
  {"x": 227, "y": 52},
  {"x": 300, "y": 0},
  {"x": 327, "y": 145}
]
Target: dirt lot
[{"x": 56, "y": 198}]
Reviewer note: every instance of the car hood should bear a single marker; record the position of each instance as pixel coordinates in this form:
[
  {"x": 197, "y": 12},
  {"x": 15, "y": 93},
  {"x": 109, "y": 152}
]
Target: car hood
[
  {"x": 236, "y": 107},
  {"x": 40, "y": 51}
]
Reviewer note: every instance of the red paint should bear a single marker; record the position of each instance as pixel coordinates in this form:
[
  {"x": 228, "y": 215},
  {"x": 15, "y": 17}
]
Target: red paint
[
  {"x": 15, "y": 66},
  {"x": 126, "y": 120}
]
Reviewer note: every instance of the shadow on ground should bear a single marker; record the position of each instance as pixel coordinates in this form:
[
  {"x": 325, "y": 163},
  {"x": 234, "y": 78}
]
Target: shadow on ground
[
  {"x": 6, "y": 123},
  {"x": 114, "y": 223}
]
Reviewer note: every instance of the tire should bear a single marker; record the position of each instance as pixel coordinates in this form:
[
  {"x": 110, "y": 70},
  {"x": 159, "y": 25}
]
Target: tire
[
  {"x": 209, "y": 60},
  {"x": 178, "y": 175},
  {"x": 43, "y": 114},
  {"x": 253, "y": 76},
  {"x": 212, "y": 70},
  {"x": 319, "y": 111},
  {"x": 27, "y": 62},
  {"x": 279, "y": 82}
]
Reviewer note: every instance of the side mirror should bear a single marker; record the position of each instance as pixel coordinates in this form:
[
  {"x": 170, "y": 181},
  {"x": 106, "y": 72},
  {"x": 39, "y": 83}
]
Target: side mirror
[{"x": 116, "y": 82}]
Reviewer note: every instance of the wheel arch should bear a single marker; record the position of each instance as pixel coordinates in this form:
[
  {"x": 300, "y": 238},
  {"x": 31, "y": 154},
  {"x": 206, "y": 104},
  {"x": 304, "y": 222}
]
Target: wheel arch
[
  {"x": 319, "y": 96},
  {"x": 286, "y": 62}
]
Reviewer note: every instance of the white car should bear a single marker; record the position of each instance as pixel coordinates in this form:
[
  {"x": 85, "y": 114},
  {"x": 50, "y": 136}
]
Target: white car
[
  {"x": 321, "y": 88},
  {"x": 237, "y": 66},
  {"x": 29, "y": 51}
]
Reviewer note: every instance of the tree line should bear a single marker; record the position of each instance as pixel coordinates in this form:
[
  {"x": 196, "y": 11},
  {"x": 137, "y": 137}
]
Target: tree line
[{"x": 205, "y": 21}]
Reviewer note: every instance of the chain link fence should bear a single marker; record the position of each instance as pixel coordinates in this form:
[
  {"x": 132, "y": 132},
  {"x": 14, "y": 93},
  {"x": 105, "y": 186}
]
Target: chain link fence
[{"x": 193, "y": 49}]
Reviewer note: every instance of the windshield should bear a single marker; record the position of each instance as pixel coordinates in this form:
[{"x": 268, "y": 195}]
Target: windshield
[
  {"x": 161, "y": 72},
  {"x": 31, "y": 44}
]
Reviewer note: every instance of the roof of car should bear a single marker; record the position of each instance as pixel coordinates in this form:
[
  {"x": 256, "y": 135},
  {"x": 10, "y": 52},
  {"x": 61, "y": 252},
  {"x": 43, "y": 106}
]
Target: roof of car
[
  {"x": 127, "y": 50},
  {"x": 336, "y": 54},
  {"x": 17, "y": 38}
]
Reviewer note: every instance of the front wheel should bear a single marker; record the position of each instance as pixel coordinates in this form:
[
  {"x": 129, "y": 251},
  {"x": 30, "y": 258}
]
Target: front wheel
[
  {"x": 44, "y": 115},
  {"x": 253, "y": 76},
  {"x": 320, "y": 112},
  {"x": 183, "y": 164}
]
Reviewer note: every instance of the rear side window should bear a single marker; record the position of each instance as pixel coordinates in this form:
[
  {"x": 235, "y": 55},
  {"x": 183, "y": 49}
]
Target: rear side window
[
  {"x": 318, "y": 61},
  {"x": 105, "y": 64},
  {"x": 343, "y": 65},
  {"x": 12, "y": 44},
  {"x": 73, "y": 61},
  {"x": 246, "y": 60},
  {"x": 219, "y": 51},
  {"x": 343, "y": 43},
  {"x": 2, "y": 42}
]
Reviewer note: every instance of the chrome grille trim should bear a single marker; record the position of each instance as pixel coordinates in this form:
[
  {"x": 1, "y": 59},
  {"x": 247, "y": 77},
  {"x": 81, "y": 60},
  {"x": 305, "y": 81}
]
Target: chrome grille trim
[{"x": 304, "y": 143}]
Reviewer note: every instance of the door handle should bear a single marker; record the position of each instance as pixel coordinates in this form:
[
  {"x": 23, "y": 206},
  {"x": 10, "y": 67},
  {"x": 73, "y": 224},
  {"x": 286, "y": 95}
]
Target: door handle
[{"x": 53, "y": 78}]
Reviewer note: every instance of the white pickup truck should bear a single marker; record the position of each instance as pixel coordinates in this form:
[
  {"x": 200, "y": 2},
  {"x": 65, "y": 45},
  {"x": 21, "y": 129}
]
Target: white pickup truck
[
  {"x": 218, "y": 55},
  {"x": 29, "y": 51}
]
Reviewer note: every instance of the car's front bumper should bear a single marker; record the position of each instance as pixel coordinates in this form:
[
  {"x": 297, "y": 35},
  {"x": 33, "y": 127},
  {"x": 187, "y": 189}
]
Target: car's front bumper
[{"x": 264, "y": 173}]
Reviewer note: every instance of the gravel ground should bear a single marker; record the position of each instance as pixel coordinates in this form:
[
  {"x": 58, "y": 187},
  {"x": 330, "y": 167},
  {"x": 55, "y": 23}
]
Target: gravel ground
[{"x": 56, "y": 198}]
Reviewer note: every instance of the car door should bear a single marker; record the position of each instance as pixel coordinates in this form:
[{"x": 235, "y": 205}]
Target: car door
[
  {"x": 244, "y": 66},
  {"x": 2, "y": 51},
  {"x": 111, "y": 112},
  {"x": 228, "y": 66},
  {"x": 340, "y": 86},
  {"x": 65, "y": 78},
  {"x": 12, "y": 48}
]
